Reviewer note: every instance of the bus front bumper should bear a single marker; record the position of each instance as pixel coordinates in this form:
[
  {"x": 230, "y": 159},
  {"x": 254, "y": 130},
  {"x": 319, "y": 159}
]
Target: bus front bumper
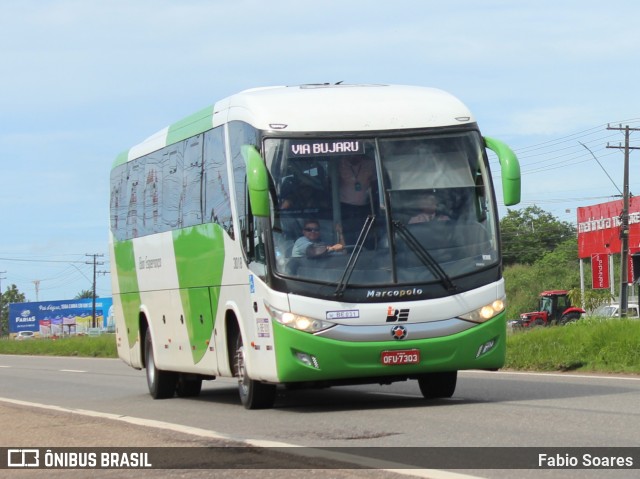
[{"x": 304, "y": 357}]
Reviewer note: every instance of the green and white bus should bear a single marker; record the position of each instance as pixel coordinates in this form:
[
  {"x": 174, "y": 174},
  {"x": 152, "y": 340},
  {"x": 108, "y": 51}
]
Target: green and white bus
[{"x": 205, "y": 214}]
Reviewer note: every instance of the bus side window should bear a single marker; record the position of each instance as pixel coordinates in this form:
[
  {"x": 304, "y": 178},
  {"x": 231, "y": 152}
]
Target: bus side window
[
  {"x": 242, "y": 134},
  {"x": 217, "y": 202}
]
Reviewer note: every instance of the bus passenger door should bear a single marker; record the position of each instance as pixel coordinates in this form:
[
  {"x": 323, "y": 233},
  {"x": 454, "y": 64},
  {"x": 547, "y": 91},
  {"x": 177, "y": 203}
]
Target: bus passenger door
[
  {"x": 197, "y": 304},
  {"x": 261, "y": 351},
  {"x": 259, "y": 345}
]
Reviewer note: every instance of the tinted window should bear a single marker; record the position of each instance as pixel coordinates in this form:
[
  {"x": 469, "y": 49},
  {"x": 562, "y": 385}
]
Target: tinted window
[{"x": 181, "y": 185}]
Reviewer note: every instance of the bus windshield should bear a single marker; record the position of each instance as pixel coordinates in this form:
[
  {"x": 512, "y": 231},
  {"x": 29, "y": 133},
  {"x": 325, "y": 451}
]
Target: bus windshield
[{"x": 382, "y": 210}]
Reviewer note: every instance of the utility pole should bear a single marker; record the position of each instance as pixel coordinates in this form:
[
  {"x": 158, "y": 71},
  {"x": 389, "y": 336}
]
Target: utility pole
[
  {"x": 624, "y": 228},
  {"x": 95, "y": 263},
  {"x": 1, "y": 324},
  {"x": 36, "y": 283}
]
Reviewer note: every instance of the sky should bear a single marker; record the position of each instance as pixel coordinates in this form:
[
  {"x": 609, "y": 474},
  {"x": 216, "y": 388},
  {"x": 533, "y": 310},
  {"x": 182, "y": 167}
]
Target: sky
[{"x": 83, "y": 80}]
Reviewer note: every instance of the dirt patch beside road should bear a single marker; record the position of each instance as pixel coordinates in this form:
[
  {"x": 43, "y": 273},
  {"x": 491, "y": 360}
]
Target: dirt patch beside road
[{"x": 32, "y": 427}]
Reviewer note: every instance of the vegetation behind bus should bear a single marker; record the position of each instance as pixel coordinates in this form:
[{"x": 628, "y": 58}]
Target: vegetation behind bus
[{"x": 590, "y": 345}]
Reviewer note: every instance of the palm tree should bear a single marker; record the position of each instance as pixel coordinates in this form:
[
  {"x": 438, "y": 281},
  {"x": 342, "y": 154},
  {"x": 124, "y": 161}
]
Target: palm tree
[{"x": 85, "y": 293}]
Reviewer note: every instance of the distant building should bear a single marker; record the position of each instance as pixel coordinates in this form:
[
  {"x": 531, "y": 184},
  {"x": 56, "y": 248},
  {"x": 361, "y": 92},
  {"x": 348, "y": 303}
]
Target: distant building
[{"x": 60, "y": 318}]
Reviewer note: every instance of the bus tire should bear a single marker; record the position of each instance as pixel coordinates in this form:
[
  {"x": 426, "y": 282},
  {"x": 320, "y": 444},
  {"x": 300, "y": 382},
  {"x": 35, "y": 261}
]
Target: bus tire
[
  {"x": 438, "y": 385},
  {"x": 253, "y": 394},
  {"x": 188, "y": 386},
  {"x": 162, "y": 384}
]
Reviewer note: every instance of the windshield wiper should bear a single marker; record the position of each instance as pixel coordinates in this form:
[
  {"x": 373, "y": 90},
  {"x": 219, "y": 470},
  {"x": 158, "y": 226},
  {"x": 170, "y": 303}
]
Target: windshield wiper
[
  {"x": 351, "y": 264},
  {"x": 424, "y": 256}
]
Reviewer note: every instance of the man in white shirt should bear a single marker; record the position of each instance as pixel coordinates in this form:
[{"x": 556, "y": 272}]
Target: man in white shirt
[{"x": 311, "y": 237}]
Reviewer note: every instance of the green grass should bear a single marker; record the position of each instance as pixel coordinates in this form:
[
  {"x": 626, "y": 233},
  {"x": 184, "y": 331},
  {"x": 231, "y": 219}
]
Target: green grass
[
  {"x": 103, "y": 346},
  {"x": 589, "y": 345}
]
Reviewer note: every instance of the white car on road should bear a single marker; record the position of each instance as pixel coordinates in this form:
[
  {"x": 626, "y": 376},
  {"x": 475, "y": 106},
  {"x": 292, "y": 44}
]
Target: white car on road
[{"x": 613, "y": 310}]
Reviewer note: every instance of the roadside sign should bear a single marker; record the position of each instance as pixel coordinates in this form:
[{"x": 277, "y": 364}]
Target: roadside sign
[{"x": 600, "y": 270}]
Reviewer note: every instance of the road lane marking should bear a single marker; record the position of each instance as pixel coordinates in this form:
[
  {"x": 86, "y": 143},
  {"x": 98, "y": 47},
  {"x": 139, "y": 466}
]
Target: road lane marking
[
  {"x": 557, "y": 375},
  {"x": 295, "y": 448},
  {"x": 72, "y": 371}
]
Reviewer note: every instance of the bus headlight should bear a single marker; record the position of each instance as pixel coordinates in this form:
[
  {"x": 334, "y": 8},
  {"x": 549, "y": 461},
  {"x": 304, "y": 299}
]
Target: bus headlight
[
  {"x": 485, "y": 313},
  {"x": 297, "y": 321}
]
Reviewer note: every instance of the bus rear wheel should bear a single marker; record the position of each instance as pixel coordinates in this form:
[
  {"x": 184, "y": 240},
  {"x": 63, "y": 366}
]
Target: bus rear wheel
[
  {"x": 438, "y": 385},
  {"x": 253, "y": 394},
  {"x": 162, "y": 384}
]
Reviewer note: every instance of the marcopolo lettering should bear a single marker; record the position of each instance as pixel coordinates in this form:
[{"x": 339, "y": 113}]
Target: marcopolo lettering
[{"x": 394, "y": 293}]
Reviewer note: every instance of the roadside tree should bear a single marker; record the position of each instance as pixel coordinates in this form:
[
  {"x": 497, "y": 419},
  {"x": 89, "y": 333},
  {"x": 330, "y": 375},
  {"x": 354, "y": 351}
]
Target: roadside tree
[
  {"x": 530, "y": 233},
  {"x": 84, "y": 294},
  {"x": 11, "y": 295}
]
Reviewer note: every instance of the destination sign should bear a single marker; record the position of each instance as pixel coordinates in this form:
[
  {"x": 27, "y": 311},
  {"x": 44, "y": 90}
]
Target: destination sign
[{"x": 326, "y": 147}]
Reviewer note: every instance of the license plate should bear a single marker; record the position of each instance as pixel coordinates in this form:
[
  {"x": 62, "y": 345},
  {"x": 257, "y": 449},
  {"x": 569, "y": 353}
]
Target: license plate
[{"x": 397, "y": 358}]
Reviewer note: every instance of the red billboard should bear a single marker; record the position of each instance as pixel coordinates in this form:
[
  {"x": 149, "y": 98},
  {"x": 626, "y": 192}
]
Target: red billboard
[{"x": 599, "y": 228}]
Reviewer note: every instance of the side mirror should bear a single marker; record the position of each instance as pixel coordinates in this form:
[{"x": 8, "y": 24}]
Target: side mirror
[
  {"x": 510, "y": 170},
  {"x": 257, "y": 181}
]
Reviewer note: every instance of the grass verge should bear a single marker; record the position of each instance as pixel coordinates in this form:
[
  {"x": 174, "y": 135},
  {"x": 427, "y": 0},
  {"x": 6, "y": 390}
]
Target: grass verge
[
  {"x": 591, "y": 344},
  {"x": 103, "y": 346}
]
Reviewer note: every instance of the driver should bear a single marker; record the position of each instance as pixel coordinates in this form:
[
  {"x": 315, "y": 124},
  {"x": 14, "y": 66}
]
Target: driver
[{"x": 305, "y": 246}]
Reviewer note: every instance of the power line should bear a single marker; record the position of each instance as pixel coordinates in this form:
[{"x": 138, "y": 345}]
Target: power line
[
  {"x": 571, "y": 137},
  {"x": 624, "y": 228},
  {"x": 605, "y": 171},
  {"x": 40, "y": 260},
  {"x": 565, "y": 152}
]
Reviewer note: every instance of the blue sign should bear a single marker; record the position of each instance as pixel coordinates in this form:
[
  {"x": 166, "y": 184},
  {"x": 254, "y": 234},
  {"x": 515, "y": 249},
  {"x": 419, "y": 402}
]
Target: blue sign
[{"x": 60, "y": 318}]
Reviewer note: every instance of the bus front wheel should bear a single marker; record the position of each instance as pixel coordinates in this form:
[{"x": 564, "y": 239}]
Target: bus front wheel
[
  {"x": 438, "y": 385},
  {"x": 162, "y": 384},
  {"x": 253, "y": 394}
]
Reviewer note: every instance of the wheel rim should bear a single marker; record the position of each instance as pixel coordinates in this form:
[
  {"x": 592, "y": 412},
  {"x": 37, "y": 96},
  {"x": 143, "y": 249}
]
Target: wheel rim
[
  {"x": 151, "y": 367},
  {"x": 242, "y": 373}
]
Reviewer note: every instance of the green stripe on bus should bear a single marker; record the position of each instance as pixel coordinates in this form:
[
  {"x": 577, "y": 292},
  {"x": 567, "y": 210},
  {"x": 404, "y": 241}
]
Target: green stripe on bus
[
  {"x": 199, "y": 252},
  {"x": 191, "y": 126},
  {"x": 121, "y": 158},
  {"x": 129, "y": 290}
]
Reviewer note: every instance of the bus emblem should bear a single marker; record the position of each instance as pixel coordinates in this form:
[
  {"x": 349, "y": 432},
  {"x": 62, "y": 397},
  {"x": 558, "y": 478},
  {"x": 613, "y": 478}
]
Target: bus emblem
[
  {"x": 394, "y": 315},
  {"x": 398, "y": 332}
]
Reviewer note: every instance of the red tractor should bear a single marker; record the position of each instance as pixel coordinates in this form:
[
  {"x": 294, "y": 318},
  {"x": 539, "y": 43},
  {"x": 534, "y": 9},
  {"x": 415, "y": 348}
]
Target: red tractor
[{"x": 555, "y": 308}]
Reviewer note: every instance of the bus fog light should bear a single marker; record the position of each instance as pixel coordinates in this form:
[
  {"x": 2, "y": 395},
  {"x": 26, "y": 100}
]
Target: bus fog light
[
  {"x": 307, "y": 359},
  {"x": 486, "y": 347}
]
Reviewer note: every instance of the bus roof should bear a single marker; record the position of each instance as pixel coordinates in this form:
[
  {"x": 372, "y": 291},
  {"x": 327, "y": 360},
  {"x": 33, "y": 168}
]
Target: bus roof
[{"x": 318, "y": 108}]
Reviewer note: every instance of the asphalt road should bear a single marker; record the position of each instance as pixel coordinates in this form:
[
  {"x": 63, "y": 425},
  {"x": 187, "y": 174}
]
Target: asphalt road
[
  {"x": 32, "y": 427},
  {"x": 489, "y": 409}
]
